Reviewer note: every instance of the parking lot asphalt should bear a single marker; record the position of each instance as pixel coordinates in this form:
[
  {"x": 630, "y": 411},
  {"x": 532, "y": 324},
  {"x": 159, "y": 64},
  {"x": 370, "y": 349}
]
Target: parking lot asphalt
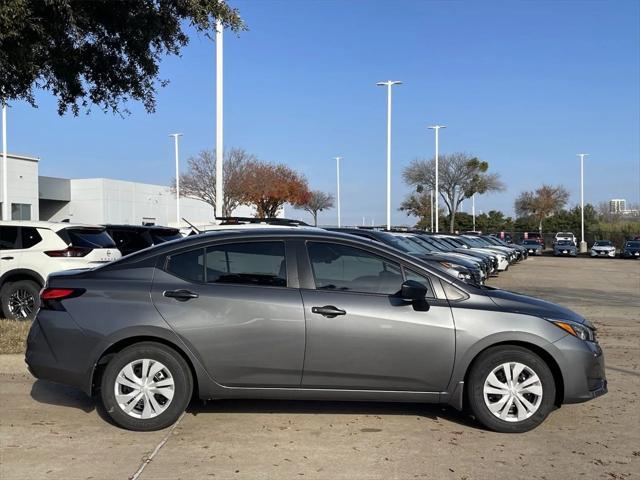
[{"x": 51, "y": 431}]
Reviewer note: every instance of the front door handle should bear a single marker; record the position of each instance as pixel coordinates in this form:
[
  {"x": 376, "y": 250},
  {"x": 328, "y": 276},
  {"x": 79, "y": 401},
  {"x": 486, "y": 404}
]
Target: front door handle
[
  {"x": 181, "y": 295},
  {"x": 328, "y": 311},
  {"x": 6, "y": 258}
]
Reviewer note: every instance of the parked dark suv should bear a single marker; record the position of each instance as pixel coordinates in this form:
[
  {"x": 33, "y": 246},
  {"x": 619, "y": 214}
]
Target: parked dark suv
[
  {"x": 303, "y": 313},
  {"x": 132, "y": 238}
]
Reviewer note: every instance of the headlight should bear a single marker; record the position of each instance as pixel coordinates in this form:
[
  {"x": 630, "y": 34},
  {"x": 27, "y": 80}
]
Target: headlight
[{"x": 577, "y": 330}]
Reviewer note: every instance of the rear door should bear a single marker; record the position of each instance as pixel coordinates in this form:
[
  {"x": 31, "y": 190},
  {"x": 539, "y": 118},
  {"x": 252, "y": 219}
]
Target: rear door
[
  {"x": 238, "y": 306},
  {"x": 374, "y": 340}
]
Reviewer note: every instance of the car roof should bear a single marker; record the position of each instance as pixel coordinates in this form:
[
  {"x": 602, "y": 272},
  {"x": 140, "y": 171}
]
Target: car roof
[
  {"x": 55, "y": 226},
  {"x": 140, "y": 227}
]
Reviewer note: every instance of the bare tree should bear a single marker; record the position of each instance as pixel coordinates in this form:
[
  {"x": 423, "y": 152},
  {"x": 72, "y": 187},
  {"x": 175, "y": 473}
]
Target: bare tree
[
  {"x": 460, "y": 176},
  {"x": 317, "y": 202},
  {"x": 542, "y": 203},
  {"x": 200, "y": 179}
]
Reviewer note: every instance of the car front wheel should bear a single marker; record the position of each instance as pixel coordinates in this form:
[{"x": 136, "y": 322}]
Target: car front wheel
[
  {"x": 146, "y": 387},
  {"x": 511, "y": 389}
]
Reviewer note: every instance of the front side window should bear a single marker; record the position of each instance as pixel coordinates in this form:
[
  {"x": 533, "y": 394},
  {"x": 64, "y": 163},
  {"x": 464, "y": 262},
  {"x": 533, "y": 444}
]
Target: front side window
[
  {"x": 188, "y": 265},
  {"x": 347, "y": 269},
  {"x": 253, "y": 263}
]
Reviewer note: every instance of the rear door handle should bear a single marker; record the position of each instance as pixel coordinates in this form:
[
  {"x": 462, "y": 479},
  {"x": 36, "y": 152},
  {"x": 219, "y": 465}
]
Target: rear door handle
[
  {"x": 6, "y": 258},
  {"x": 328, "y": 311},
  {"x": 181, "y": 295}
]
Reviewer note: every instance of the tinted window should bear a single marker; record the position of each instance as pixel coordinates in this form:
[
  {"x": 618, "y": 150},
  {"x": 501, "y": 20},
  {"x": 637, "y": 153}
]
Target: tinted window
[
  {"x": 129, "y": 241},
  {"x": 161, "y": 236},
  {"x": 254, "y": 263},
  {"x": 411, "y": 275},
  {"x": 87, "y": 237},
  {"x": 633, "y": 244},
  {"x": 188, "y": 265},
  {"x": 30, "y": 237},
  {"x": 344, "y": 268},
  {"x": 8, "y": 238}
]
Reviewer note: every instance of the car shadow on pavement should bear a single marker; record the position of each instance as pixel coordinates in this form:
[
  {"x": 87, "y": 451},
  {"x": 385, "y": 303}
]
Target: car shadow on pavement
[
  {"x": 311, "y": 407},
  {"x": 51, "y": 393}
]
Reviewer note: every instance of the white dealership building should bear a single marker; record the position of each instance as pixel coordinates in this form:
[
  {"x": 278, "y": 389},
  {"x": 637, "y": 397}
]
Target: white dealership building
[{"x": 94, "y": 200}]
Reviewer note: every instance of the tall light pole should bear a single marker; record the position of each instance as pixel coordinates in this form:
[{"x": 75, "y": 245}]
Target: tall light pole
[
  {"x": 437, "y": 128},
  {"x": 5, "y": 167},
  {"x": 219, "y": 105},
  {"x": 176, "y": 136},
  {"x": 389, "y": 84},
  {"x": 337, "y": 159},
  {"x": 473, "y": 210},
  {"x": 583, "y": 244},
  {"x": 431, "y": 207}
]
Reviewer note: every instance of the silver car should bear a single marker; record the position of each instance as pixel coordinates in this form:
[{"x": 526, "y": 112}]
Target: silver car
[{"x": 305, "y": 314}]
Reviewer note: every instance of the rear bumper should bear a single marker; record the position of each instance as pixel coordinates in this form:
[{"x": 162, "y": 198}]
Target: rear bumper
[{"x": 66, "y": 363}]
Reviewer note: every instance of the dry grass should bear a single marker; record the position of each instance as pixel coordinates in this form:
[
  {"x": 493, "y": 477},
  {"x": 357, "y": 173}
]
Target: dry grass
[{"x": 13, "y": 335}]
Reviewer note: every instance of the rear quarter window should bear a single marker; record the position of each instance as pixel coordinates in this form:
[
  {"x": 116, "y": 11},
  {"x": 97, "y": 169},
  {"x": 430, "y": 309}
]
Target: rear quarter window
[{"x": 30, "y": 237}]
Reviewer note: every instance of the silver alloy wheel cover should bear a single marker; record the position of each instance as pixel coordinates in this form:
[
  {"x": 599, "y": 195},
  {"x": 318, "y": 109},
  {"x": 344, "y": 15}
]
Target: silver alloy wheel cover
[
  {"x": 147, "y": 394},
  {"x": 516, "y": 398},
  {"x": 21, "y": 303}
]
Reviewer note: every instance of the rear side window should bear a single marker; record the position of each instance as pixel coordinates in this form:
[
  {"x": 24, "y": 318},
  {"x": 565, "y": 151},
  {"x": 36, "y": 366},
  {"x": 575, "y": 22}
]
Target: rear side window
[
  {"x": 254, "y": 263},
  {"x": 161, "y": 236},
  {"x": 8, "y": 238},
  {"x": 343, "y": 268},
  {"x": 30, "y": 237},
  {"x": 87, "y": 237},
  {"x": 187, "y": 265}
]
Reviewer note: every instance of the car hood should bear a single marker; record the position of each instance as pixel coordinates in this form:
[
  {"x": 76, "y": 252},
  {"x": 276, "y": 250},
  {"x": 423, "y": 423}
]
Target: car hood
[
  {"x": 603, "y": 247},
  {"x": 518, "y": 303}
]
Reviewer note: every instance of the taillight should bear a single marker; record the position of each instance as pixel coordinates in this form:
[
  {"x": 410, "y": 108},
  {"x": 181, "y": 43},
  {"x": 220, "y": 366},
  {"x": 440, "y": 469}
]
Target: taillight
[
  {"x": 50, "y": 297},
  {"x": 69, "y": 252}
]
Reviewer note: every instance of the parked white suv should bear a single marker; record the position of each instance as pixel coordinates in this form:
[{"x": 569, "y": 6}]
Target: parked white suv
[
  {"x": 565, "y": 236},
  {"x": 30, "y": 251}
]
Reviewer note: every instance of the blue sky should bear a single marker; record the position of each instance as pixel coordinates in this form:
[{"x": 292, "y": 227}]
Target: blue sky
[{"x": 524, "y": 85}]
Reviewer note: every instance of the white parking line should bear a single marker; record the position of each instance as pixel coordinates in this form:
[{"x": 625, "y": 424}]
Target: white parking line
[{"x": 148, "y": 460}]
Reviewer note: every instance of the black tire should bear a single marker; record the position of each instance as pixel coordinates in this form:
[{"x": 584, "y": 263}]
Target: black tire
[
  {"x": 176, "y": 366},
  {"x": 22, "y": 288},
  {"x": 485, "y": 364}
]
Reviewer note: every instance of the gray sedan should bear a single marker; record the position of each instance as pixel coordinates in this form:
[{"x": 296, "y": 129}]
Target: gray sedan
[
  {"x": 565, "y": 248},
  {"x": 305, "y": 314}
]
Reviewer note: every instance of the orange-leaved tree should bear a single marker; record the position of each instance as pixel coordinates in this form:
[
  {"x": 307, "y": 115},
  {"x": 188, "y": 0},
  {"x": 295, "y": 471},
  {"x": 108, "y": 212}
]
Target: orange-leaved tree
[{"x": 269, "y": 186}]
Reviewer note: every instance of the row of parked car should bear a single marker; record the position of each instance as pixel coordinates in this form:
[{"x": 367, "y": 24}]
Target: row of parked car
[{"x": 565, "y": 244}]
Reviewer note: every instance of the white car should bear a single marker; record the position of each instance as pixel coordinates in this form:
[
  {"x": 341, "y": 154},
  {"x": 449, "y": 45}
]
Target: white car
[
  {"x": 30, "y": 251},
  {"x": 603, "y": 248},
  {"x": 565, "y": 236}
]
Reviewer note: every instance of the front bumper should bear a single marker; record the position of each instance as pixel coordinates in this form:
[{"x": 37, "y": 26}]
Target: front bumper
[
  {"x": 583, "y": 369},
  {"x": 603, "y": 253}
]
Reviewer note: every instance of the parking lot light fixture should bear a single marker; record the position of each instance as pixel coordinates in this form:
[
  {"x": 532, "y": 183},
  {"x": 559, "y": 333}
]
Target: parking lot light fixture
[
  {"x": 583, "y": 244},
  {"x": 176, "y": 136},
  {"x": 436, "y": 128},
  {"x": 219, "y": 119},
  {"x": 337, "y": 159},
  {"x": 389, "y": 84}
]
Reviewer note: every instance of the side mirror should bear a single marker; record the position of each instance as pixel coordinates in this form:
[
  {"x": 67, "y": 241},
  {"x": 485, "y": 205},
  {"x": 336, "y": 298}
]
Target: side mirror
[{"x": 416, "y": 292}]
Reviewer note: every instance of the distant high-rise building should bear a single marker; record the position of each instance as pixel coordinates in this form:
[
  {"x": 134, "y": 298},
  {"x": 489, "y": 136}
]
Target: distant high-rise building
[{"x": 617, "y": 205}]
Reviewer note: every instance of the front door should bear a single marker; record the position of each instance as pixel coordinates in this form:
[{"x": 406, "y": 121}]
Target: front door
[
  {"x": 233, "y": 304},
  {"x": 361, "y": 335}
]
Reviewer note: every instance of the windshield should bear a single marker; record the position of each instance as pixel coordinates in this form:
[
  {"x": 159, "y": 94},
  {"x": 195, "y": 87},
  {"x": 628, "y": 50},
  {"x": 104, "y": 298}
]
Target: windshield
[
  {"x": 633, "y": 244},
  {"x": 565, "y": 242},
  {"x": 441, "y": 246},
  {"x": 603, "y": 243},
  {"x": 530, "y": 242},
  {"x": 424, "y": 244},
  {"x": 408, "y": 245}
]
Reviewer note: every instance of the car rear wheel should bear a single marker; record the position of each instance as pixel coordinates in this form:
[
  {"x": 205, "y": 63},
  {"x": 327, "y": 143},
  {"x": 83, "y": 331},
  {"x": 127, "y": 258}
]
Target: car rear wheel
[
  {"x": 146, "y": 387},
  {"x": 511, "y": 389},
  {"x": 20, "y": 300}
]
